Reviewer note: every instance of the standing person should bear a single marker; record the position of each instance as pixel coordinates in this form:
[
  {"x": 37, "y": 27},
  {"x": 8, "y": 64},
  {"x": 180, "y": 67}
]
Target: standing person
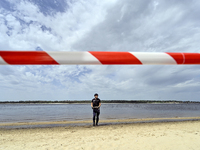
[{"x": 96, "y": 104}]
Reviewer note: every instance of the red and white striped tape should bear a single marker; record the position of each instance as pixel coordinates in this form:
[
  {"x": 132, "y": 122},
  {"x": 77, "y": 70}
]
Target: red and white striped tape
[{"x": 97, "y": 58}]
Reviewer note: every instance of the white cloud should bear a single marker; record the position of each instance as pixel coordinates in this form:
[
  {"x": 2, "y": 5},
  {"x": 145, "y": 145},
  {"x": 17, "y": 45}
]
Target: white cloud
[
  {"x": 106, "y": 26},
  {"x": 27, "y": 21}
]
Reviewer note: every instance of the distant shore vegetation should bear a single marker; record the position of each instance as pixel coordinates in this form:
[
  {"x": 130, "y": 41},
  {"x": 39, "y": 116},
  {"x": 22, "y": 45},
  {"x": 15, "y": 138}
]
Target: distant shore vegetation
[{"x": 103, "y": 101}]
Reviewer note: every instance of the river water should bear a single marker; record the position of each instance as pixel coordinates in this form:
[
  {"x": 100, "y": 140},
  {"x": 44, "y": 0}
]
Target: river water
[{"x": 13, "y": 113}]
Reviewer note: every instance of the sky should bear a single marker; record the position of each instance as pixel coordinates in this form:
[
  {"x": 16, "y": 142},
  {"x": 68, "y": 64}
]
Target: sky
[{"x": 100, "y": 25}]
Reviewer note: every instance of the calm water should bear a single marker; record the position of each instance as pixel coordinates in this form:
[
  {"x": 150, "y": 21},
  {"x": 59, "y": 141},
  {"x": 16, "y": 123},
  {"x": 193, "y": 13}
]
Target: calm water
[{"x": 68, "y": 112}]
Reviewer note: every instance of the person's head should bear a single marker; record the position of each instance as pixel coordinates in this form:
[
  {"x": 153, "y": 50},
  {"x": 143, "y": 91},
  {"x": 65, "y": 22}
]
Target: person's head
[{"x": 96, "y": 95}]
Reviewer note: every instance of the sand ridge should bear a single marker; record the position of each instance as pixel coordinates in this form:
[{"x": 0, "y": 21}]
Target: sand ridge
[{"x": 132, "y": 120}]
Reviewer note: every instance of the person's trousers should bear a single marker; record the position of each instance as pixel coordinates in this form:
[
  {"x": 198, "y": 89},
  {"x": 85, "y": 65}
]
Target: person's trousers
[{"x": 96, "y": 113}]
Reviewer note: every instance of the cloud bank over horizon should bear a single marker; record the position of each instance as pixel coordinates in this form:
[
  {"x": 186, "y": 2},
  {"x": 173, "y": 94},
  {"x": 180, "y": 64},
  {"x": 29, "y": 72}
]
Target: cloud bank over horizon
[{"x": 101, "y": 25}]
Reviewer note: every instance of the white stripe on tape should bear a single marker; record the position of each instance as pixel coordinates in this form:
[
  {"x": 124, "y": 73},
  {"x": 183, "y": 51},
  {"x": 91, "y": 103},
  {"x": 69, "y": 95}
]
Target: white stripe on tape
[
  {"x": 2, "y": 62},
  {"x": 74, "y": 58},
  {"x": 148, "y": 58}
]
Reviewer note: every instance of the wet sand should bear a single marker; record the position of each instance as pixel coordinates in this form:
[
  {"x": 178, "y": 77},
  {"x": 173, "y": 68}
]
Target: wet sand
[
  {"x": 182, "y": 135},
  {"x": 89, "y": 122}
]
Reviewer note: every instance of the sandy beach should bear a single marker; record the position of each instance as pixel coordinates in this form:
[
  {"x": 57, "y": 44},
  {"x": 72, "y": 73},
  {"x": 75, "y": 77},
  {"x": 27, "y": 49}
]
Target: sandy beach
[{"x": 184, "y": 135}]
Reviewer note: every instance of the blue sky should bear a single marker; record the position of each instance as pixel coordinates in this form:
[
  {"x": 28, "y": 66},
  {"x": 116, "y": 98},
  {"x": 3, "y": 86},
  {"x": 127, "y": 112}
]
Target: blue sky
[{"x": 100, "y": 25}]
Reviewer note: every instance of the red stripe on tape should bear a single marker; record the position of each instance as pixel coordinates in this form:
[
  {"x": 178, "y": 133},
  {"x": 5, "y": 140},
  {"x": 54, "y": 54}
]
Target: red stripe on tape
[
  {"x": 192, "y": 58},
  {"x": 178, "y": 57},
  {"x": 27, "y": 58},
  {"x": 118, "y": 58},
  {"x": 186, "y": 58}
]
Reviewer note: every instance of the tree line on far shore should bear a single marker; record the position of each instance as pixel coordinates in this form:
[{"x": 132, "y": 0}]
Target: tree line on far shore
[{"x": 103, "y": 101}]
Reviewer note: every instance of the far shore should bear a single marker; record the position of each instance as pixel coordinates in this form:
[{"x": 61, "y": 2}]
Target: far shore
[{"x": 103, "y": 101}]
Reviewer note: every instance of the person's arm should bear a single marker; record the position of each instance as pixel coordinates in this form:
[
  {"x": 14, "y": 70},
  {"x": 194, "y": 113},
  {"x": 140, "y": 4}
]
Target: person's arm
[
  {"x": 100, "y": 104},
  {"x": 92, "y": 104}
]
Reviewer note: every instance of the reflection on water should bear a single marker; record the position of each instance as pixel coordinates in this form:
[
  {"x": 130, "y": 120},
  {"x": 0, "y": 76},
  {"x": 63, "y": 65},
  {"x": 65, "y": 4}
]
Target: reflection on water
[{"x": 69, "y": 112}]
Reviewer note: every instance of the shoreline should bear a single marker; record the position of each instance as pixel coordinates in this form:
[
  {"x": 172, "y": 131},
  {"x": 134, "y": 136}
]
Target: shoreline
[
  {"x": 47, "y": 124},
  {"x": 153, "y": 135}
]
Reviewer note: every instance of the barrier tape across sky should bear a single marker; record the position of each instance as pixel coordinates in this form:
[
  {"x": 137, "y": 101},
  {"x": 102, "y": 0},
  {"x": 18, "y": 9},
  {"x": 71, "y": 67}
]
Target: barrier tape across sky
[{"x": 97, "y": 58}]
